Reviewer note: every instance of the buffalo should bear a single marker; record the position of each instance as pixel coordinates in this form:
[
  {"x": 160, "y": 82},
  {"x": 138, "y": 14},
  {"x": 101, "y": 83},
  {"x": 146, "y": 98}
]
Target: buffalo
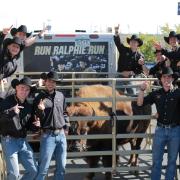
[{"x": 105, "y": 126}]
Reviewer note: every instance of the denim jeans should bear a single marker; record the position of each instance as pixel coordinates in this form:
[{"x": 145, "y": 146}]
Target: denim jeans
[
  {"x": 52, "y": 144},
  {"x": 169, "y": 137},
  {"x": 18, "y": 150}
]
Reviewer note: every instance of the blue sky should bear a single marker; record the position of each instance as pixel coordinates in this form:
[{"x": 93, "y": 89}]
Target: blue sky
[{"x": 134, "y": 16}]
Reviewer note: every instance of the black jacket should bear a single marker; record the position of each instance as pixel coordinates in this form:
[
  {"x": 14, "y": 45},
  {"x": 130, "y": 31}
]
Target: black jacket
[
  {"x": 156, "y": 69},
  {"x": 24, "y": 117},
  {"x": 174, "y": 57}
]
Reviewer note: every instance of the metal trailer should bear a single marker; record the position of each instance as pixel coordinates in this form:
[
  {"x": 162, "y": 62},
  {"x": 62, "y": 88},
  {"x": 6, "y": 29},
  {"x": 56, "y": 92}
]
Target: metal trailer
[{"x": 98, "y": 51}]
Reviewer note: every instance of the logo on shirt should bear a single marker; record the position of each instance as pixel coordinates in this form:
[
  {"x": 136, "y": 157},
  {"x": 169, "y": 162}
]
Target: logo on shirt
[{"x": 158, "y": 96}]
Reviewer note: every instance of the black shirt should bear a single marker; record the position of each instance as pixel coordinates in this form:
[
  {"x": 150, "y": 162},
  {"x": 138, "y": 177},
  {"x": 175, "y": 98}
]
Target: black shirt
[
  {"x": 156, "y": 69},
  {"x": 54, "y": 116},
  {"x": 167, "y": 105},
  {"x": 24, "y": 116},
  {"x": 174, "y": 57},
  {"x": 128, "y": 60}
]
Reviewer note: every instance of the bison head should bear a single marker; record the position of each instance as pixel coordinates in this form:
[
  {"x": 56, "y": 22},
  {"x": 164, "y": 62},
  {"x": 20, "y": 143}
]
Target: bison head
[{"x": 79, "y": 127}]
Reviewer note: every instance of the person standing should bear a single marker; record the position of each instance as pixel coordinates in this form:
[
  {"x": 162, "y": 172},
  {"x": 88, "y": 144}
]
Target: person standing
[
  {"x": 14, "y": 144},
  {"x": 49, "y": 107},
  {"x": 131, "y": 61},
  {"x": 167, "y": 132}
]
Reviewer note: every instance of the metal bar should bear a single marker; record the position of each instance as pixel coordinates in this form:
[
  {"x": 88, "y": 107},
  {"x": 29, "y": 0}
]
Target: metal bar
[
  {"x": 92, "y": 136},
  {"x": 114, "y": 125},
  {"x": 102, "y": 99},
  {"x": 90, "y": 153},
  {"x": 134, "y": 135},
  {"x": 119, "y": 118},
  {"x": 73, "y": 89},
  {"x": 85, "y": 170}
]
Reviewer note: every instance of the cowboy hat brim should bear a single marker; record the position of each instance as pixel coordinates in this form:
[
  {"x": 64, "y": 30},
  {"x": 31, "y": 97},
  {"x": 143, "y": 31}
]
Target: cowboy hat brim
[
  {"x": 9, "y": 41},
  {"x": 140, "y": 42},
  {"x": 175, "y": 76},
  {"x": 52, "y": 75},
  {"x": 15, "y": 30},
  {"x": 166, "y": 39}
]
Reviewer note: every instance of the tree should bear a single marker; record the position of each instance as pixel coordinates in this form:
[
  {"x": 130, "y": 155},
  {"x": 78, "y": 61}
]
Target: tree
[{"x": 147, "y": 48}]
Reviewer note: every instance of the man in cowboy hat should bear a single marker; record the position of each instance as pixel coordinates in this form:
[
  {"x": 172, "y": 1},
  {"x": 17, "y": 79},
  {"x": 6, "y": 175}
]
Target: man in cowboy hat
[
  {"x": 26, "y": 38},
  {"x": 49, "y": 107},
  {"x": 174, "y": 54},
  {"x": 167, "y": 132},
  {"x": 131, "y": 61},
  {"x": 161, "y": 62},
  {"x": 9, "y": 55},
  {"x": 14, "y": 129}
]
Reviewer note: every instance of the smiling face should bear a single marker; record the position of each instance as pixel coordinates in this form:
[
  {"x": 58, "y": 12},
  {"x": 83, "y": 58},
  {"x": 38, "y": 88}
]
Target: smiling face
[
  {"x": 134, "y": 45},
  {"x": 14, "y": 49},
  {"x": 21, "y": 35},
  {"x": 22, "y": 91},
  {"x": 173, "y": 41},
  {"x": 50, "y": 85}
]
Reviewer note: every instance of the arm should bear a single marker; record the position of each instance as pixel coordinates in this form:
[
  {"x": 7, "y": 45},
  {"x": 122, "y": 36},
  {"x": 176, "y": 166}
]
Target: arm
[
  {"x": 32, "y": 40},
  {"x": 118, "y": 43},
  {"x": 171, "y": 54},
  {"x": 3, "y": 34},
  {"x": 117, "y": 40},
  {"x": 140, "y": 98},
  {"x": 66, "y": 117},
  {"x": 38, "y": 107}
]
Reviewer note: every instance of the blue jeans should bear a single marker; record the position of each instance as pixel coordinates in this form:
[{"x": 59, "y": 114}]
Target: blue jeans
[
  {"x": 169, "y": 137},
  {"x": 18, "y": 150},
  {"x": 52, "y": 144}
]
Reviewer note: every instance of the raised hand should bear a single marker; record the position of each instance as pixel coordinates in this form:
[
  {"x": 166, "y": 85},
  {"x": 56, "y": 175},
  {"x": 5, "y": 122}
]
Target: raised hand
[
  {"x": 17, "y": 109},
  {"x": 157, "y": 45},
  {"x": 116, "y": 29},
  {"x": 41, "y": 105},
  {"x": 6, "y": 30},
  {"x": 144, "y": 86}
]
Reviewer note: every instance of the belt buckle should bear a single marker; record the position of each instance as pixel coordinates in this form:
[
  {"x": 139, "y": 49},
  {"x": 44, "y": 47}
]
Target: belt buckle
[
  {"x": 56, "y": 132},
  {"x": 167, "y": 126}
]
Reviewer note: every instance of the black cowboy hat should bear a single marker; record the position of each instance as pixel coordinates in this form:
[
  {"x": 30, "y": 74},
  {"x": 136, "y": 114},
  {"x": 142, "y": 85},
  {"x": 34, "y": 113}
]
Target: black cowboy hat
[
  {"x": 25, "y": 81},
  {"x": 172, "y": 34},
  {"x": 135, "y": 38},
  {"x": 14, "y": 40},
  {"x": 168, "y": 71},
  {"x": 21, "y": 28},
  {"x": 52, "y": 75}
]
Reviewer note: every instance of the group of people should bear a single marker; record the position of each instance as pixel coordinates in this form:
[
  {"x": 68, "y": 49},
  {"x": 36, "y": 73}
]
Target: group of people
[
  {"x": 47, "y": 112},
  {"x": 45, "y": 115},
  {"x": 166, "y": 99}
]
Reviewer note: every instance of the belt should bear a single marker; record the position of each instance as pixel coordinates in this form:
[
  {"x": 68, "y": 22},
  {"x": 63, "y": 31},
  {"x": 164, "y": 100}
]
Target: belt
[
  {"x": 53, "y": 131},
  {"x": 166, "y": 126}
]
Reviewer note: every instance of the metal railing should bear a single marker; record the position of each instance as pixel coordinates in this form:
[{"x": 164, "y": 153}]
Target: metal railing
[{"x": 114, "y": 136}]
